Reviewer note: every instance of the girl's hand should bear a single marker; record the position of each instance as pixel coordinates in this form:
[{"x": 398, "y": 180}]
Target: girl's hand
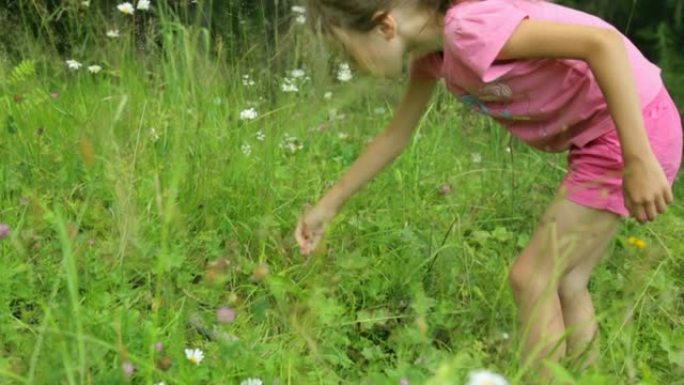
[
  {"x": 646, "y": 189},
  {"x": 311, "y": 227}
]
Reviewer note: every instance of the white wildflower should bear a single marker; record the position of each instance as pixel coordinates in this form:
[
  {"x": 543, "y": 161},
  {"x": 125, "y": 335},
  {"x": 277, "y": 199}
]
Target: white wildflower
[
  {"x": 476, "y": 157},
  {"x": 246, "y": 149},
  {"x": 505, "y": 336},
  {"x": 298, "y": 9},
  {"x": 300, "y": 19},
  {"x": 508, "y": 150},
  {"x": 289, "y": 86},
  {"x": 247, "y": 81},
  {"x": 291, "y": 144},
  {"x": 143, "y": 5},
  {"x": 298, "y": 73},
  {"x": 160, "y": 383},
  {"x": 328, "y": 95},
  {"x": 342, "y": 135},
  {"x": 94, "y": 69},
  {"x": 73, "y": 64},
  {"x": 194, "y": 355},
  {"x": 260, "y": 136},
  {"x": 344, "y": 73},
  {"x": 249, "y": 114},
  {"x": 85, "y": 4},
  {"x": 251, "y": 381},
  {"x": 154, "y": 135},
  {"x": 485, "y": 377},
  {"x": 113, "y": 33},
  {"x": 126, "y": 8}
]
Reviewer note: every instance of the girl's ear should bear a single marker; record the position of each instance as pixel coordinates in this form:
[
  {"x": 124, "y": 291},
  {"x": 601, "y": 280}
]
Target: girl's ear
[{"x": 386, "y": 24}]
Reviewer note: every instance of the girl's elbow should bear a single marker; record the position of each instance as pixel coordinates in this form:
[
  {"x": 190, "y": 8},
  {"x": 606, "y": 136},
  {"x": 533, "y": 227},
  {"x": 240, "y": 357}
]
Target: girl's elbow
[
  {"x": 608, "y": 40},
  {"x": 604, "y": 46}
]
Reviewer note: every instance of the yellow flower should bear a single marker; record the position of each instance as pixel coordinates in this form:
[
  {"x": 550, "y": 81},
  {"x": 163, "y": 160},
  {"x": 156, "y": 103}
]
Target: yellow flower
[{"x": 636, "y": 242}]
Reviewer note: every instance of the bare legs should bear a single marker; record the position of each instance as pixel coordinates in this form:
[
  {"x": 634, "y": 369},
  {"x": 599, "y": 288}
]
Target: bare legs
[{"x": 549, "y": 281}]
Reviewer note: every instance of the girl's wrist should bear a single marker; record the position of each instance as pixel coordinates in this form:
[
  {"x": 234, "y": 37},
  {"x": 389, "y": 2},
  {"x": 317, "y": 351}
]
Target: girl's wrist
[
  {"x": 330, "y": 203},
  {"x": 639, "y": 155}
]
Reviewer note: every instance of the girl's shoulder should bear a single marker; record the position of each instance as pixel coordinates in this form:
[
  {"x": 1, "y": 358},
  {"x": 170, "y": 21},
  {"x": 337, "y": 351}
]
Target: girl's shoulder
[{"x": 465, "y": 15}]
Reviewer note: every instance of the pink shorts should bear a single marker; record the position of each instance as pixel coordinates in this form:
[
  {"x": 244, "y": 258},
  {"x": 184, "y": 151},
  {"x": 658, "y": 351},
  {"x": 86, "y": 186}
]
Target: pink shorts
[{"x": 594, "y": 178}]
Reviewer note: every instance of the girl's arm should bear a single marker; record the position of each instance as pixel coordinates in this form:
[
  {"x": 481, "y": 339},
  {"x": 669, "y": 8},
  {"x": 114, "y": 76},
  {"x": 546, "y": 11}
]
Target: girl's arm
[
  {"x": 385, "y": 147},
  {"x": 647, "y": 191},
  {"x": 379, "y": 153}
]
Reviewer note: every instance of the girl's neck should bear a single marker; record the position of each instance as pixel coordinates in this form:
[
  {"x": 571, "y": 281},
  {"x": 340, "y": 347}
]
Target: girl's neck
[{"x": 421, "y": 29}]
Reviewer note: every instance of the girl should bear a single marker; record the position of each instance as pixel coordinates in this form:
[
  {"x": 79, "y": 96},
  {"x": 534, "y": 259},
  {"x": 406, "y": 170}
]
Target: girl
[{"x": 559, "y": 80}]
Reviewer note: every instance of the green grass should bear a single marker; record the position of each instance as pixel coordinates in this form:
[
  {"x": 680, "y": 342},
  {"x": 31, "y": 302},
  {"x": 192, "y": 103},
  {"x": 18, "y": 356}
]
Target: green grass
[{"x": 116, "y": 231}]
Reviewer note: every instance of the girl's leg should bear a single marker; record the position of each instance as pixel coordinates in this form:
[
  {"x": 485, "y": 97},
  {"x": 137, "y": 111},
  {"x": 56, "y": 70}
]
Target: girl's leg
[
  {"x": 565, "y": 247},
  {"x": 578, "y": 309}
]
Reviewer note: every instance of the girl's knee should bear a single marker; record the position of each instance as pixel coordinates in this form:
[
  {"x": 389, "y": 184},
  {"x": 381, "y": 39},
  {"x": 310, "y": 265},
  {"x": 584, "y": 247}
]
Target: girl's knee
[
  {"x": 573, "y": 285},
  {"x": 529, "y": 274}
]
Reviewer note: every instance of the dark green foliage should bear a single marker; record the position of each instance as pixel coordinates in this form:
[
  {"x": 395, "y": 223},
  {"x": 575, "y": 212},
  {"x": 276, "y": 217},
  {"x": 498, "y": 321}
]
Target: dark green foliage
[{"x": 656, "y": 27}]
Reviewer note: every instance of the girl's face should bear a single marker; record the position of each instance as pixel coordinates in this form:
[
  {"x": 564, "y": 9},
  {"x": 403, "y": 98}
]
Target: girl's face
[{"x": 380, "y": 51}]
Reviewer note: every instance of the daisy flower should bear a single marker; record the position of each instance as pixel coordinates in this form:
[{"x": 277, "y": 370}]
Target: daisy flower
[
  {"x": 485, "y": 377},
  {"x": 73, "y": 64},
  {"x": 143, "y": 5},
  {"x": 194, "y": 355},
  {"x": 126, "y": 8}
]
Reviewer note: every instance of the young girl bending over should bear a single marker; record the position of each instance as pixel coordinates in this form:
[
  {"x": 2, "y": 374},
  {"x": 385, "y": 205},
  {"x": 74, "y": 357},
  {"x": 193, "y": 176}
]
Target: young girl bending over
[{"x": 559, "y": 80}]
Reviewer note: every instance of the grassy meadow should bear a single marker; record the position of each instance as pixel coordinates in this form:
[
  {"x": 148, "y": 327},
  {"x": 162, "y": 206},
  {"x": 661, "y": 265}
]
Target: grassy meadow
[{"x": 151, "y": 208}]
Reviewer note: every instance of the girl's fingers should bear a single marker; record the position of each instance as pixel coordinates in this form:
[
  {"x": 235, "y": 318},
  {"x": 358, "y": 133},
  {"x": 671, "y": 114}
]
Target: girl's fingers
[
  {"x": 639, "y": 213},
  {"x": 299, "y": 234},
  {"x": 650, "y": 210},
  {"x": 668, "y": 196},
  {"x": 661, "y": 205},
  {"x": 303, "y": 238}
]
